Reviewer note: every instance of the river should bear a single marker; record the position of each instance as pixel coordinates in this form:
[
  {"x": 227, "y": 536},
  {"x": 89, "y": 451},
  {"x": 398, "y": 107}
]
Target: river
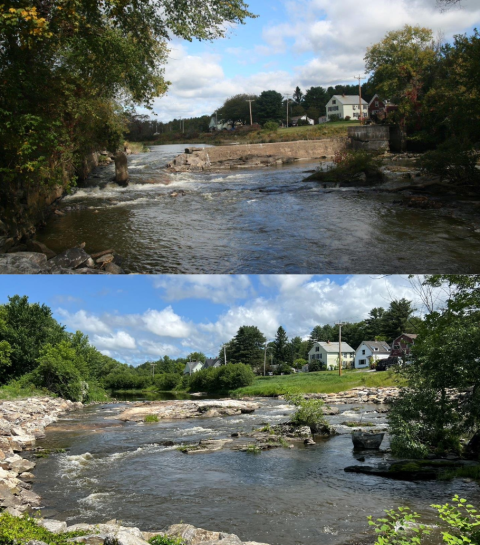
[
  {"x": 255, "y": 221},
  {"x": 281, "y": 497}
]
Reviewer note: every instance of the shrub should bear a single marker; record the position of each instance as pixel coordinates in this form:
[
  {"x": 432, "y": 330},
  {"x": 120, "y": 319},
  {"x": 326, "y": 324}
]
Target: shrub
[
  {"x": 151, "y": 418},
  {"x": 314, "y": 365},
  {"x": 303, "y": 123},
  {"x": 347, "y": 118},
  {"x": 271, "y": 126},
  {"x": 167, "y": 381},
  {"x": 165, "y": 540},
  {"x": 309, "y": 412},
  {"x": 224, "y": 378},
  {"x": 334, "y": 117}
]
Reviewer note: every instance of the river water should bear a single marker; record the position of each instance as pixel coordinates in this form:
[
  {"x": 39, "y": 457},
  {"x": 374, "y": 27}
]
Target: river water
[
  {"x": 281, "y": 497},
  {"x": 255, "y": 221}
]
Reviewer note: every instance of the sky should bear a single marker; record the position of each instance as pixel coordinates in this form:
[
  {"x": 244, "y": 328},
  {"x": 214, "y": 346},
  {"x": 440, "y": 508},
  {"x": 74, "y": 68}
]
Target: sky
[
  {"x": 294, "y": 42},
  {"x": 142, "y": 318}
]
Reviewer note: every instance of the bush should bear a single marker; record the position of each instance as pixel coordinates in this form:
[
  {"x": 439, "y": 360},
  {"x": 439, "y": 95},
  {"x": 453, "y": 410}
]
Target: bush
[
  {"x": 224, "y": 378},
  {"x": 347, "y": 118},
  {"x": 334, "y": 117},
  {"x": 309, "y": 412},
  {"x": 314, "y": 365},
  {"x": 167, "y": 381},
  {"x": 151, "y": 418},
  {"x": 303, "y": 123},
  {"x": 271, "y": 126}
]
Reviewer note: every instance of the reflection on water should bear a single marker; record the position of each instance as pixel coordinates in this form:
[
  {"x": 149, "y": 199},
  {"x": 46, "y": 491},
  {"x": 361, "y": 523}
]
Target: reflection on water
[
  {"x": 282, "y": 497},
  {"x": 262, "y": 221}
]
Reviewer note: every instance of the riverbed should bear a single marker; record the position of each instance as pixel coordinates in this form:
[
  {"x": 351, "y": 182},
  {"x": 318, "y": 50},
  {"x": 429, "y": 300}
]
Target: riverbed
[
  {"x": 255, "y": 221},
  {"x": 281, "y": 497}
]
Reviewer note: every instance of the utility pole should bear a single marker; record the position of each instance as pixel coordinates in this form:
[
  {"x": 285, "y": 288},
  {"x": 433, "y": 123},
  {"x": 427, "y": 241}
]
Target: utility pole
[
  {"x": 225, "y": 354},
  {"x": 265, "y": 361},
  {"x": 360, "y": 96},
  {"x": 288, "y": 102},
  {"x": 251, "y": 117},
  {"x": 152, "y": 366},
  {"x": 340, "y": 348}
]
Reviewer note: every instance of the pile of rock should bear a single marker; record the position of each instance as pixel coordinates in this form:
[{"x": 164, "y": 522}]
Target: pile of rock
[
  {"x": 113, "y": 533},
  {"x": 21, "y": 423},
  {"x": 42, "y": 260},
  {"x": 195, "y": 161},
  {"x": 171, "y": 410},
  {"x": 359, "y": 394}
]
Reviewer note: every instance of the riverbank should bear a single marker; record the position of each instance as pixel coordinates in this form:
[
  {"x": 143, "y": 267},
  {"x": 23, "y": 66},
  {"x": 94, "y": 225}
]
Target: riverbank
[
  {"x": 322, "y": 382},
  {"x": 22, "y": 422}
]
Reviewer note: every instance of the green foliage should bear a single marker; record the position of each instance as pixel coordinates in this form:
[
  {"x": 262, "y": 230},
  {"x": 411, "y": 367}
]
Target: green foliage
[
  {"x": 402, "y": 527},
  {"x": 269, "y": 107},
  {"x": 222, "y": 379},
  {"x": 399, "y": 528},
  {"x": 151, "y": 418},
  {"x": 237, "y": 108},
  {"x": 271, "y": 126},
  {"x": 253, "y": 449},
  {"x": 309, "y": 411},
  {"x": 167, "y": 381},
  {"x": 247, "y": 346},
  {"x": 165, "y": 540},
  {"x": 14, "y": 530},
  {"x": 333, "y": 118},
  {"x": 58, "y": 371},
  {"x": 281, "y": 349}
]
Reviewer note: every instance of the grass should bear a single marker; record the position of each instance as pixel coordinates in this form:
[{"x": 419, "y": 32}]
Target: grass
[
  {"x": 16, "y": 391},
  {"x": 253, "y": 449},
  {"x": 325, "y": 382},
  {"x": 151, "y": 418},
  {"x": 165, "y": 540},
  {"x": 358, "y": 424},
  {"x": 468, "y": 472}
]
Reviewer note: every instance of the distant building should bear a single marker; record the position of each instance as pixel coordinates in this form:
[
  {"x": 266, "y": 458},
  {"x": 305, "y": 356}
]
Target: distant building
[
  {"x": 370, "y": 351},
  {"x": 402, "y": 345},
  {"x": 326, "y": 353},
  {"x": 346, "y": 106},
  {"x": 322, "y": 119},
  {"x": 212, "y": 363},
  {"x": 193, "y": 367},
  {"x": 295, "y": 120}
]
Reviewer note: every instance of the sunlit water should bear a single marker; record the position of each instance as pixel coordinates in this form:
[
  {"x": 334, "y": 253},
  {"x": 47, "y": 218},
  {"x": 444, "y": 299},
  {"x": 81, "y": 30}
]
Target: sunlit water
[
  {"x": 255, "y": 221},
  {"x": 282, "y": 497}
]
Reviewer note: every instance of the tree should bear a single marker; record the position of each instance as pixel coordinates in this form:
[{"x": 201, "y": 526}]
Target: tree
[
  {"x": 197, "y": 356},
  {"x": 298, "y": 96},
  {"x": 237, "y": 108},
  {"x": 315, "y": 99},
  {"x": 248, "y": 346},
  {"x": 295, "y": 348},
  {"x": 269, "y": 107},
  {"x": 400, "y": 64},
  {"x": 373, "y": 324},
  {"x": 445, "y": 357},
  {"x": 281, "y": 352},
  {"x": 396, "y": 319}
]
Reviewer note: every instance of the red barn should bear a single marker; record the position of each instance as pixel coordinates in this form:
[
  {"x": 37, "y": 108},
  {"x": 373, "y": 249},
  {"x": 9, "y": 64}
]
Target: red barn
[{"x": 402, "y": 345}]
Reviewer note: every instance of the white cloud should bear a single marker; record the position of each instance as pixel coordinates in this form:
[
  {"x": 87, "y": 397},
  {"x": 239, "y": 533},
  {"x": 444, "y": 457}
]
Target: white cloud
[
  {"x": 82, "y": 321},
  {"x": 158, "y": 349},
  {"x": 116, "y": 341},
  {"x": 166, "y": 323},
  {"x": 221, "y": 289}
]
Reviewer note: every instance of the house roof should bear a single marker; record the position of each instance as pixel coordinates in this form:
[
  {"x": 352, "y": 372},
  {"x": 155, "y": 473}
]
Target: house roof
[
  {"x": 349, "y": 99},
  {"x": 411, "y": 335},
  {"x": 210, "y": 362},
  {"x": 192, "y": 364},
  {"x": 333, "y": 347},
  {"x": 380, "y": 347}
]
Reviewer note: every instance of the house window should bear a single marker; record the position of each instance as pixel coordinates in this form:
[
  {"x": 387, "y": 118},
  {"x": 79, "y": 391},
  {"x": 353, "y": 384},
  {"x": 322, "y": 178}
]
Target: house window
[
  {"x": 396, "y": 346},
  {"x": 320, "y": 356},
  {"x": 377, "y": 104},
  {"x": 317, "y": 349},
  {"x": 334, "y": 101},
  {"x": 363, "y": 352},
  {"x": 362, "y": 362},
  {"x": 376, "y": 349}
]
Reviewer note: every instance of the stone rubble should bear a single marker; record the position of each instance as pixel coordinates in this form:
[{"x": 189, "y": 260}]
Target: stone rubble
[
  {"x": 21, "y": 423},
  {"x": 359, "y": 394}
]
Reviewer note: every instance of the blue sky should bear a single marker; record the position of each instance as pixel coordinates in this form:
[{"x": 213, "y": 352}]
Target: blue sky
[
  {"x": 295, "y": 42},
  {"x": 141, "y": 318}
]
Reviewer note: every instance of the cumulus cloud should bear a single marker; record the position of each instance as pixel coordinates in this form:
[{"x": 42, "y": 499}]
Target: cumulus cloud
[
  {"x": 116, "y": 341},
  {"x": 221, "y": 289},
  {"x": 83, "y": 321},
  {"x": 165, "y": 323}
]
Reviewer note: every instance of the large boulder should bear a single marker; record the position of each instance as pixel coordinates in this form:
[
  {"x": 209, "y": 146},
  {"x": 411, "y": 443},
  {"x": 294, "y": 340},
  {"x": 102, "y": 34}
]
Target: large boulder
[
  {"x": 196, "y": 536},
  {"x": 70, "y": 259},
  {"x": 121, "y": 168},
  {"x": 23, "y": 263},
  {"x": 54, "y": 526},
  {"x": 365, "y": 440}
]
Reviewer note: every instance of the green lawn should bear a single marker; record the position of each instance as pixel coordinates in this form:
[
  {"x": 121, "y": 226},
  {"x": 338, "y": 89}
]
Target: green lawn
[{"x": 323, "y": 382}]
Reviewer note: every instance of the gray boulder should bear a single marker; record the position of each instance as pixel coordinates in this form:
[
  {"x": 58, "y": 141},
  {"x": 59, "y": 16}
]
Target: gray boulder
[
  {"x": 54, "y": 526},
  {"x": 39, "y": 247},
  {"x": 365, "y": 440},
  {"x": 23, "y": 263},
  {"x": 70, "y": 259}
]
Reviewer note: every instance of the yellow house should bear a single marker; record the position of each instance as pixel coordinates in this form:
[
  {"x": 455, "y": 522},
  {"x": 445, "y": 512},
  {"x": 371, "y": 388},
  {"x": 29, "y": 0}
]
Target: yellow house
[{"x": 326, "y": 353}]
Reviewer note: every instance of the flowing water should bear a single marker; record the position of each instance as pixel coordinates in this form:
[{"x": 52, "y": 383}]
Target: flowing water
[
  {"x": 281, "y": 497},
  {"x": 255, "y": 221}
]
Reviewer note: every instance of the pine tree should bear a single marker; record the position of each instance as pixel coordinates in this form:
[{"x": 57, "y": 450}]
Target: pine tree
[{"x": 281, "y": 347}]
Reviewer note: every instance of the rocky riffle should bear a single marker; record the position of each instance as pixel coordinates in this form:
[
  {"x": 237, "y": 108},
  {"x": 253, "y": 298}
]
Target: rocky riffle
[
  {"x": 36, "y": 258},
  {"x": 359, "y": 394},
  {"x": 21, "y": 423},
  {"x": 169, "y": 410}
]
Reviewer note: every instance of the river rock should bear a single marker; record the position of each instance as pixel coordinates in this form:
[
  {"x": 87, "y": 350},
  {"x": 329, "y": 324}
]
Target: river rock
[
  {"x": 70, "y": 259},
  {"x": 30, "y": 498},
  {"x": 195, "y": 536},
  {"x": 124, "y": 537},
  {"x": 112, "y": 268},
  {"x": 292, "y": 431},
  {"x": 54, "y": 526},
  {"x": 94, "y": 539},
  {"x": 188, "y": 409},
  {"x": 104, "y": 259},
  {"x": 365, "y": 440},
  {"x": 23, "y": 263},
  {"x": 121, "y": 168}
]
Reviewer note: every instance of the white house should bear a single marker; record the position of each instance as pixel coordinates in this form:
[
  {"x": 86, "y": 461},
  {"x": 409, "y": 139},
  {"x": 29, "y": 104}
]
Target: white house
[
  {"x": 370, "y": 351},
  {"x": 346, "y": 106},
  {"x": 212, "y": 363},
  {"x": 326, "y": 353},
  {"x": 193, "y": 367},
  {"x": 295, "y": 120}
]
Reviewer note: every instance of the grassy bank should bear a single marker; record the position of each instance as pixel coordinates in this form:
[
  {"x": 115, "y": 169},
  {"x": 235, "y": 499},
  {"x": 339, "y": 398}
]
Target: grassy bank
[
  {"x": 325, "y": 382},
  {"x": 14, "y": 391},
  {"x": 338, "y": 129}
]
